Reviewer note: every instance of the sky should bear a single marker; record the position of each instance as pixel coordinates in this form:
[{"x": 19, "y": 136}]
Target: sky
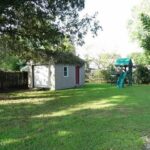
[{"x": 113, "y": 16}]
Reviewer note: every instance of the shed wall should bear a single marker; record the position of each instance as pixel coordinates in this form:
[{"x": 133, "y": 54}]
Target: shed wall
[
  {"x": 82, "y": 75},
  {"x": 42, "y": 76},
  {"x": 51, "y": 77},
  {"x": 30, "y": 76},
  {"x": 62, "y": 82}
]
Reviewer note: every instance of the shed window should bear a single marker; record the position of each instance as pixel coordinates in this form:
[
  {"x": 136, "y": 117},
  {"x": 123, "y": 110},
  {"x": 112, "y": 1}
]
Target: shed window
[{"x": 66, "y": 71}]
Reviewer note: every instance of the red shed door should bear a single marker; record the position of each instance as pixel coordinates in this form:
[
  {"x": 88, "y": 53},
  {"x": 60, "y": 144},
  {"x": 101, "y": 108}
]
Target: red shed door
[{"x": 77, "y": 74}]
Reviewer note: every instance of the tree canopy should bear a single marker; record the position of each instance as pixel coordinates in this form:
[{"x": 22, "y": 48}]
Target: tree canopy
[
  {"x": 139, "y": 25},
  {"x": 140, "y": 58},
  {"x": 105, "y": 60},
  {"x": 30, "y": 25}
]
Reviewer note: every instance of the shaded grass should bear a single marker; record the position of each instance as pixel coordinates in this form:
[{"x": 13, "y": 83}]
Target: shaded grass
[{"x": 94, "y": 117}]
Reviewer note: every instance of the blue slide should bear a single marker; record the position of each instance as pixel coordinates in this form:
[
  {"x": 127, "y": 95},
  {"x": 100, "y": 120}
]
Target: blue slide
[{"x": 121, "y": 79}]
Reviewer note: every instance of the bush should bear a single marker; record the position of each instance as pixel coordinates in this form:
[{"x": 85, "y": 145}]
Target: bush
[
  {"x": 103, "y": 75},
  {"x": 141, "y": 75}
]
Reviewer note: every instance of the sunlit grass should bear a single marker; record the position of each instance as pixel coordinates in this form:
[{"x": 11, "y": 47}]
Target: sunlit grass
[
  {"x": 94, "y": 117},
  {"x": 94, "y": 105},
  {"x": 25, "y": 101}
]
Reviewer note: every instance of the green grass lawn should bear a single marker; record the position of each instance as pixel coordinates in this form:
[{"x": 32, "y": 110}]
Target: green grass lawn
[{"x": 94, "y": 117}]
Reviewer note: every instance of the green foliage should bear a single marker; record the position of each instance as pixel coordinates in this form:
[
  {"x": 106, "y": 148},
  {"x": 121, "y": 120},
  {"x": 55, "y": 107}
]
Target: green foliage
[
  {"x": 142, "y": 75},
  {"x": 106, "y": 75},
  {"x": 10, "y": 62},
  {"x": 31, "y": 25},
  {"x": 104, "y": 60},
  {"x": 108, "y": 72},
  {"x": 104, "y": 64},
  {"x": 145, "y": 36},
  {"x": 88, "y": 60},
  {"x": 140, "y": 58},
  {"x": 57, "y": 57},
  {"x": 139, "y": 25},
  {"x": 103, "y": 75}
]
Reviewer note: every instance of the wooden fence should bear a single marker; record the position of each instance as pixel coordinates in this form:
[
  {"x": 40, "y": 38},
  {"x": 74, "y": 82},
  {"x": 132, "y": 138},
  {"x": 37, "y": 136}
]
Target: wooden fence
[{"x": 13, "y": 80}]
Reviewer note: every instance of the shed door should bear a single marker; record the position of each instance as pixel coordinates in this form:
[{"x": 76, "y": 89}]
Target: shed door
[
  {"x": 41, "y": 76},
  {"x": 77, "y": 74}
]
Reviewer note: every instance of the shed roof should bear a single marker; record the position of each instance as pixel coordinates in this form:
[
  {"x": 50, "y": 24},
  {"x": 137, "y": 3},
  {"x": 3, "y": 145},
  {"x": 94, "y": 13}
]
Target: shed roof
[
  {"x": 67, "y": 58},
  {"x": 60, "y": 57},
  {"x": 123, "y": 62}
]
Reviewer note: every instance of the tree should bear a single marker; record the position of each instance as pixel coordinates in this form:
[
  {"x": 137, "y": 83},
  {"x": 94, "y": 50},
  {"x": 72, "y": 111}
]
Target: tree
[
  {"x": 140, "y": 58},
  {"x": 105, "y": 67},
  {"x": 142, "y": 75},
  {"x": 28, "y": 26},
  {"x": 145, "y": 36},
  {"x": 10, "y": 63},
  {"x": 104, "y": 60},
  {"x": 139, "y": 25}
]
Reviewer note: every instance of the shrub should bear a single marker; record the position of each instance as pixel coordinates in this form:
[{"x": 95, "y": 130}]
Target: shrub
[
  {"x": 102, "y": 75},
  {"x": 141, "y": 75}
]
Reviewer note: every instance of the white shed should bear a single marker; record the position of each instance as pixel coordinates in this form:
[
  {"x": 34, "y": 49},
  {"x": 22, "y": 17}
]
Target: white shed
[{"x": 57, "y": 75}]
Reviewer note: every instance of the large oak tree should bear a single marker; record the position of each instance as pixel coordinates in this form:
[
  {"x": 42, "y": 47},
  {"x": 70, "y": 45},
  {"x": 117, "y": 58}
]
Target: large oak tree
[{"x": 28, "y": 26}]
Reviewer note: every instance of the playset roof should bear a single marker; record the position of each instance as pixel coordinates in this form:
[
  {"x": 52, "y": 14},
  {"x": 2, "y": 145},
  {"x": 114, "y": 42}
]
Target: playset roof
[{"x": 123, "y": 62}]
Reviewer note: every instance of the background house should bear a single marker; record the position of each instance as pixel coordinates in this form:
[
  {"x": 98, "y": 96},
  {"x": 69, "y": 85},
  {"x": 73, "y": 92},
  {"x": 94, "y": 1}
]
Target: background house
[{"x": 60, "y": 71}]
